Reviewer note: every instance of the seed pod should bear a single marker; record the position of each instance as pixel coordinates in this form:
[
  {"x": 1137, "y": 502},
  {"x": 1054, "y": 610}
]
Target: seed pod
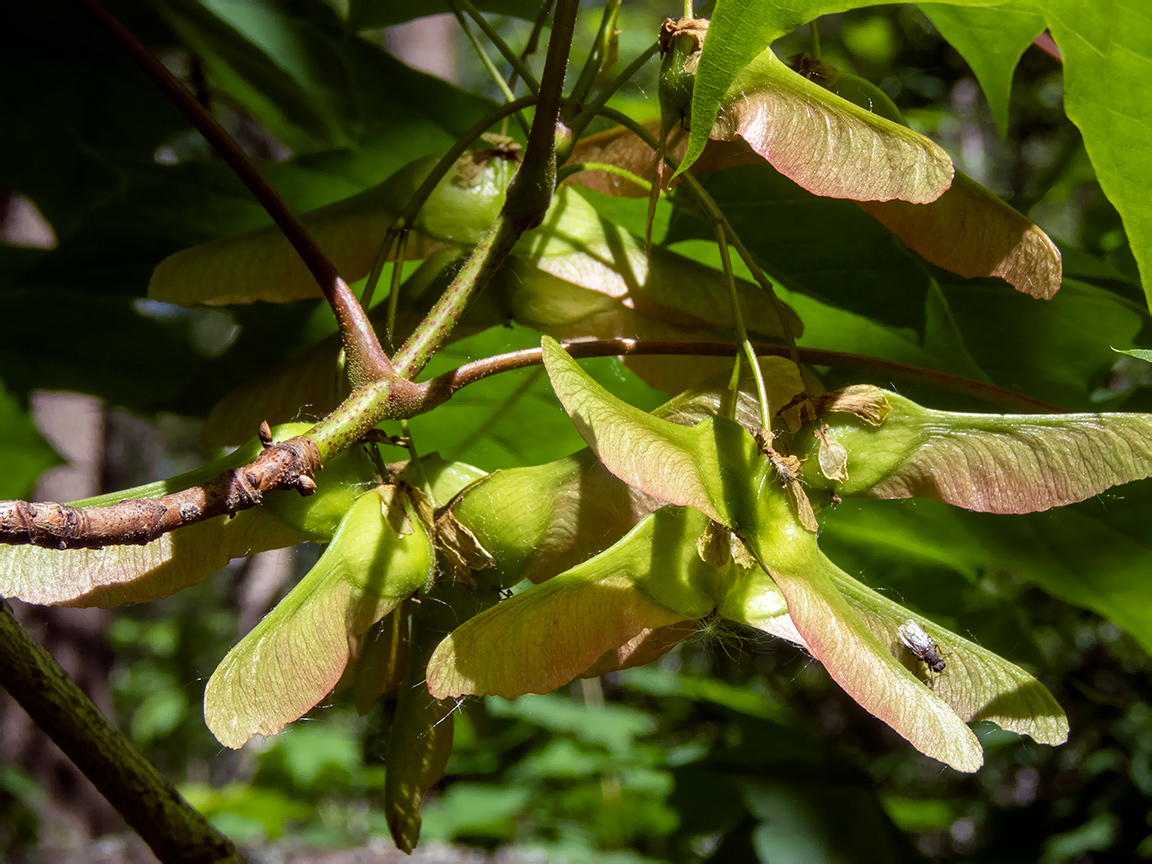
[{"x": 922, "y": 645}]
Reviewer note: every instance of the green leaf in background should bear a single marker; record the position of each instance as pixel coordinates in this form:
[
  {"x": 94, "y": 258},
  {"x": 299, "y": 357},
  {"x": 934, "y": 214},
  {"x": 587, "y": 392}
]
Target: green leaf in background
[
  {"x": 615, "y": 727},
  {"x": 244, "y": 811},
  {"x": 756, "y": 701},
  {"x": 992, "y": 41},
  {"x": 1057, "y": 350},
  {"x": 257, "y": 55},
  {"x": 1107, "y": 47},
  {"x": 65, "y": 139},
  {"x": 825, "y": 247},
  {"x": 475, "y": 810},
  {"x": 1095, "y": 554},
  {"x": 741, "y": 29},
  {"x": 296, "y": 68},
  {"x": 23, "y": 452}
]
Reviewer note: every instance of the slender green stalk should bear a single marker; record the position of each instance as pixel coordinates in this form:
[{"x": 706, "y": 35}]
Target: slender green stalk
[
  {"x": 488, "y": 256},
  {"x": 417, "y": 467},
  {"x": 600, "y": 51},
  {"x": 815, "y": 31},
  {"x": 529, "y": 48},
  {"x": 408, "y": 216},
  {"x": 742, "y": 332},
  {"x": 590, "y": 111},
  {"x": 534, "y": 37},
  {"x": 713, "y": 211},
  {"x": 397, "y": 278},
  {"x": 529, "y": 195},
  {"x": 492, "y": 36},
  {"x": 765, "y": 283},
  {"x": 505, "y": 87},
  {"x": 570, "y": 170}
]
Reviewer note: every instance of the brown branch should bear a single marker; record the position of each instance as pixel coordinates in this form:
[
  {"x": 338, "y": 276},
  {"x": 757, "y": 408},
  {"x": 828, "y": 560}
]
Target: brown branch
[
  {"x": 442, "y": 387},
  {"x": 146, "y": 799},
  {"x": 287, "y": 465},
  {"x": 367, "y": 360},
  {"x": 291, "y": 464}
]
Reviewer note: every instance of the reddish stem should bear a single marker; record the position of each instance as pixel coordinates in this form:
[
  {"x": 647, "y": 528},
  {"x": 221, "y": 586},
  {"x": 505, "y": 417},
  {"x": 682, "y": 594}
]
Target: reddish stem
[
  {"x": 367, "y": 360},
  {"x": 443, "y": 386}
]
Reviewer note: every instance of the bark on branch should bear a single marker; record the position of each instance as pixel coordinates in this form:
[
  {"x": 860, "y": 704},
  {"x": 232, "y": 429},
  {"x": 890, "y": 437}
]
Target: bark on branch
[
  {"x": 288, "y": 464},
  {"x": 291, "y": 464},
  {"x": 148, "y": 802}
]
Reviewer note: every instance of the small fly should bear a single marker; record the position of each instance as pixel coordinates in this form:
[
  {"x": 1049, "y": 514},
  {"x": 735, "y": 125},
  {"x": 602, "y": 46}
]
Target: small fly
[{"x": 922, "y": 645}]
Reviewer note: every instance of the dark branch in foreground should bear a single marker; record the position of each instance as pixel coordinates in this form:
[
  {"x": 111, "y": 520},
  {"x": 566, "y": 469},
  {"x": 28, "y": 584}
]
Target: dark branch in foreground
[
  {"x": 141, "y": 794},
  {"x": 291, "y": 464},
  {"x": 367, "y": 360}
]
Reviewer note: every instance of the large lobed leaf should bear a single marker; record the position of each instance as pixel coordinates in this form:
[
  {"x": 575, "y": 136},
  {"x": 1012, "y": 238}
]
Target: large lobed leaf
[
  {"x": 1107, "y": 47},
  {"x": 380, "y": 554},
  {"x": 992, "y": 41},
  {"x": 988, "y": 462}
]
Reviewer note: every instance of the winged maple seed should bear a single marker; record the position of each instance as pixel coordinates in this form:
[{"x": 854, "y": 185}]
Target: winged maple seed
[{"x": 669, "y": 569}]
